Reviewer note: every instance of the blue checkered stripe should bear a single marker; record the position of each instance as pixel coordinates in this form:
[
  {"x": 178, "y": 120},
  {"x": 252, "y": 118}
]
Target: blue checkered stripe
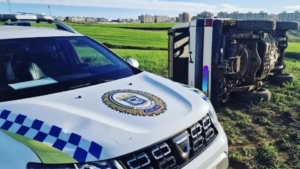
[
  {"x": 196, "y": 91},
  {"x": 72, "y": 144}
]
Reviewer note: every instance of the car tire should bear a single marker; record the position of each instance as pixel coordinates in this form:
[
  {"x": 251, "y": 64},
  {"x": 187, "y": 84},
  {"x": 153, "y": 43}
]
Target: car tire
[
  {"x": 280, "y": 79},
  {"x": 285, "y": 26},
  {"x": 256, "y": 25},
  {"x": 255, "y": 96}
]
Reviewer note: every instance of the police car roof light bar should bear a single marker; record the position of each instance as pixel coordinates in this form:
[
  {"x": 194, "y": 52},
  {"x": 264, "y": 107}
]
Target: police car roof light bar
[{"x": 25, "y": 20}]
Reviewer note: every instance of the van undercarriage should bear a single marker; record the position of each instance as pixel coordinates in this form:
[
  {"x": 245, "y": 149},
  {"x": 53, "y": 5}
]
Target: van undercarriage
[{"x": 229, "y": 57}]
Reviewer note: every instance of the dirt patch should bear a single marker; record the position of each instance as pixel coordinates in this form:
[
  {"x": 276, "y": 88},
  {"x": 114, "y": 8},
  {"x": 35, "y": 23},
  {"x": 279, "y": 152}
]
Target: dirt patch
[
  {"x": 238, "y": 164},
  {"x": 289, "y": 117}
]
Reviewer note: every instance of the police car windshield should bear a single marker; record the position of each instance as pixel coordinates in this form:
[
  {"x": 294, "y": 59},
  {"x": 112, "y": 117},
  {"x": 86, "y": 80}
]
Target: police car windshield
[{"x": 33, "y": 62}]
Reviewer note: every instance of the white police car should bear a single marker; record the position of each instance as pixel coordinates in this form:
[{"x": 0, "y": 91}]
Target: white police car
[{"x": 67, "y": 102}]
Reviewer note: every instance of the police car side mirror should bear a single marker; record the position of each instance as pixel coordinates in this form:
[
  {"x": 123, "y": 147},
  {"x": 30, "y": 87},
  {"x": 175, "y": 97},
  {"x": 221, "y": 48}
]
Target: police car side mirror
[{"x": 133, "y": 62}]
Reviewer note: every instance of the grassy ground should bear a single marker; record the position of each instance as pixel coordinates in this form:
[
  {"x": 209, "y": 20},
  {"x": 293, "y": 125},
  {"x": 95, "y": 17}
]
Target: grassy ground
[
  {"x": 133, "y": 25},
  {"x": 293, "y": 47},
  {"x": 266, "y": 135},
  {"x": 150, "y": 60},
  {"x": 262, "y": 136},
  {"x": 129, "y": 37},
  {"x": 115, "y": 34}
]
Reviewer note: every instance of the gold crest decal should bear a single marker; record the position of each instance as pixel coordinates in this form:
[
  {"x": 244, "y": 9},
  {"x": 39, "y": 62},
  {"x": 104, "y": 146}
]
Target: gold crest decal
[{"x": 134, "y": 102}]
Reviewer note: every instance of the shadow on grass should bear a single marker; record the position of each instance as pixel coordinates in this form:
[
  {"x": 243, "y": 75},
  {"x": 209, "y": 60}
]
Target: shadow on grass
[
  {"x": 293, "y": 55},
  {"x": 148, "y": 28},
  {"x": 113, "y": 46}
]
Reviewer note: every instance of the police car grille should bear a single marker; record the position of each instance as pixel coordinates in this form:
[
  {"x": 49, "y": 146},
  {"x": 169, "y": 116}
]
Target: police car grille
[{"x": 164, "y": 155}]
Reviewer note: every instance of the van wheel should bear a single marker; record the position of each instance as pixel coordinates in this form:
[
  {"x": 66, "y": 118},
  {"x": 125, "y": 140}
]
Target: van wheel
[
  {"x": 253, "y": 96},
  {"x": 285, "y": 26},
  {"x": 281, "y": 78},
  {"x": 256, "y": 25}
]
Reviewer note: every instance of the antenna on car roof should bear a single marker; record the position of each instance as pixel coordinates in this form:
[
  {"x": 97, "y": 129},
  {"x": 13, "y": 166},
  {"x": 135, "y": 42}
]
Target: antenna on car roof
[{"x": 24, "y": 19}]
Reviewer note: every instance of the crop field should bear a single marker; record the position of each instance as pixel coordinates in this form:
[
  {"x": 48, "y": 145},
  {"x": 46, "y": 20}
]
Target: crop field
[
  {"x": 147, "y": 26},
  {"x": 261, "y": 136},
  {"x": 125, "y": 35},
  {"x": 116, "y": 36}
]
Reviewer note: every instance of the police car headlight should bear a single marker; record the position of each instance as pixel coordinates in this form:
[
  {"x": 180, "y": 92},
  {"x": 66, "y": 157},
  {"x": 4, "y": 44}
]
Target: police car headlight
[
  {"x": 88, "y": 165},
  {"x": 213, "y": 115}
]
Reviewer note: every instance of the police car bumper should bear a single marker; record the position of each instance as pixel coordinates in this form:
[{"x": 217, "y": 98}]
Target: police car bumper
[{"x": 214, "y": 157}]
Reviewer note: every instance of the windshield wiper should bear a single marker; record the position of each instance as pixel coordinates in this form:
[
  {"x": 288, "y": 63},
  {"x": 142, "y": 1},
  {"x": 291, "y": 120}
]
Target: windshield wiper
[{"x": 99, "y": 81}]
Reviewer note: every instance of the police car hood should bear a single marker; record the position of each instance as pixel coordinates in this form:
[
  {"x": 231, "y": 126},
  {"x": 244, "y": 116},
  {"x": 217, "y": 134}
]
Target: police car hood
[{"x": 107, "y": 120}]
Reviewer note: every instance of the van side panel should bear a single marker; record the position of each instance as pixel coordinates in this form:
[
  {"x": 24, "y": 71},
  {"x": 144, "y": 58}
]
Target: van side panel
[
  {"x": 207, "y": 60},
  {"x": 193, "y": 56},
  {"x": 216, "y": 86},
  {"x": 199, "y": 54}
]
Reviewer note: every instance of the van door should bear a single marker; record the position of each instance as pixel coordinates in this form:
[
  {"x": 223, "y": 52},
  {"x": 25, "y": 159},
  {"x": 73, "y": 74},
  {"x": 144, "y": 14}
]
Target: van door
[{"x": 178, "y": 53}]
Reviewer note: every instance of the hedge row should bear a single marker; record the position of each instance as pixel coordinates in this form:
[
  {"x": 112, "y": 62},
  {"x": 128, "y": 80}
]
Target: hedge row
[
  {"x": 113, "y": 46},
  {"x": 147, "y": 28},
  {"x": 293, "y": 55}
]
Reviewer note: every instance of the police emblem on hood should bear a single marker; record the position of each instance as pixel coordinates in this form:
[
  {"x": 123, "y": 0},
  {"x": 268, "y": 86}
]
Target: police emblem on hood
[{"x": 134, "y": 102}]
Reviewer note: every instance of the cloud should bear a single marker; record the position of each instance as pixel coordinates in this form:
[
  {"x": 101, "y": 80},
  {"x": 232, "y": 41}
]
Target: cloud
[
  {"x": 162, "y": 5},
  {"x": 296, "y": 7}
]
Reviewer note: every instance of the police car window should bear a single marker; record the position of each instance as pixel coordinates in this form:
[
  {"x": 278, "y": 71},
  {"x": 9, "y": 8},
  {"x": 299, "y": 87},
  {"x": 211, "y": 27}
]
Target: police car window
[
  {"x": 88, "y": 54},
  {"x": 31, "y": 62},
  {"x": 24, "y": 60}
]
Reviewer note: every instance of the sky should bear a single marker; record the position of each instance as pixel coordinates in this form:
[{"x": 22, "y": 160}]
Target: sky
[{"x": 114, "y": 9}]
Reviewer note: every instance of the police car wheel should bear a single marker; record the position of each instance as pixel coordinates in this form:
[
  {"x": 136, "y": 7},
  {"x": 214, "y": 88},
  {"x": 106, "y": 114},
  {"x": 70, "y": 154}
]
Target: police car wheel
[
  {"x": 285, "y": 26},
  {"x": 280, "y": 79},
  {"x": 256, "y": 25}
]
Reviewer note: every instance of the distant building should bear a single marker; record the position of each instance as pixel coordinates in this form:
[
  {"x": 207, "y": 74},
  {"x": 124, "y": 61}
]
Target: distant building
[
  {"x": 90, "y": 19},
  {"x": 223, "y": 15},
  {"x": 146, "y": 18},
  {"x": 273, "y": 17},
  {"x": 152, "y": 19},
  {"x": 204, "y": 14},
  {"x": 173, "y": 19},
  {"x": 184, "y": 17},
  {"x": 115, "y": 20},
  {"x": 284, "y": 16},
  {"x": 161, "y": 18},
  {"x": 102, "y": 20},
  {"x": 75, "y": 19},
  {"x": 244, "y": 16},
  {"x": 60, "y": 18}
]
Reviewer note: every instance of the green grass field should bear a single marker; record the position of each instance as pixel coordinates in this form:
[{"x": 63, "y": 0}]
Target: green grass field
[
  {"x": 151, "y": 60},
  {"x": 115, "y": 34},
  {"x": 133, "y": 25},
  {"x": 266, "y": 135},
  {"x": 126, "y": 37},
  {"x": 293, "y": 47},
  {"x": 261, "y": 136}
]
